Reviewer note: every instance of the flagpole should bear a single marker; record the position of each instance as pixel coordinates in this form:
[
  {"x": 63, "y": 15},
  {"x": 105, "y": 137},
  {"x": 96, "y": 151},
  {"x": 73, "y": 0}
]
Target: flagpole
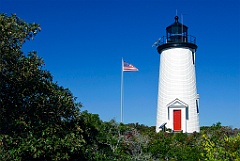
[
  {"x": 121, "y": 105},
  {"x": 129, "y": 68}
]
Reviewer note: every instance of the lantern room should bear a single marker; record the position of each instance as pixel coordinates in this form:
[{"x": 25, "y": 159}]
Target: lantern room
[
  {"x": 176, "y": 37},
  {"x": 177, "y": 32}
]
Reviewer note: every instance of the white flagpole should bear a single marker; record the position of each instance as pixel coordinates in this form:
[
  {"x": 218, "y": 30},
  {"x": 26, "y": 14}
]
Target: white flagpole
[{"x": 121, "y": 106}]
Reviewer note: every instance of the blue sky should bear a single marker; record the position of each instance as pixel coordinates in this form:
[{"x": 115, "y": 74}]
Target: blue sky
[{"x": 83, "y": 41}]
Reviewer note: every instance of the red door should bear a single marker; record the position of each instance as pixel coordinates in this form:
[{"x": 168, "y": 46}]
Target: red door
[{"x": 177, "y": 120}]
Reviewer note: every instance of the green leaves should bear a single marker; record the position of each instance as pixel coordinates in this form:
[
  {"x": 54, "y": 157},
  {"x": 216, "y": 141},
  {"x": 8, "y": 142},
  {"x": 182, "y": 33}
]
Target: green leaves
[
  {"x": 37, "y": 116},
  {"x": 225, "y": 147},
  {"x": 14, "y": 31}
]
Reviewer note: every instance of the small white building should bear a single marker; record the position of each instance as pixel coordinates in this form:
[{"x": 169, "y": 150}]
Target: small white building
[{"x": 178, "y": 101}]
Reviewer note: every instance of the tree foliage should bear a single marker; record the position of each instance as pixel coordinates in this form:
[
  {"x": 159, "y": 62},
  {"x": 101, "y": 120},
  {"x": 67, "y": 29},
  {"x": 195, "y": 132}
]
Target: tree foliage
[{"x": 38, "y": 118}]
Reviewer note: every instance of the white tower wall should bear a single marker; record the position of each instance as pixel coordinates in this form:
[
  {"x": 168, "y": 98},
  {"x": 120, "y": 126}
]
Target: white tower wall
[{"x": 177, "y": 89}]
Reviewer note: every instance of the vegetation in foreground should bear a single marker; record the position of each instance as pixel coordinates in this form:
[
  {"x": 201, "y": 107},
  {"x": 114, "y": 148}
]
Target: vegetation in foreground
[{"x": 40, "y": 120}]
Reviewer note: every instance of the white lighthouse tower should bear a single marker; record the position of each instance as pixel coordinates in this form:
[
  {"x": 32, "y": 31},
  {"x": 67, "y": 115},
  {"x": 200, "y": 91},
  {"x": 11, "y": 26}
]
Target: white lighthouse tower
[{"x": 178, "y": 101}]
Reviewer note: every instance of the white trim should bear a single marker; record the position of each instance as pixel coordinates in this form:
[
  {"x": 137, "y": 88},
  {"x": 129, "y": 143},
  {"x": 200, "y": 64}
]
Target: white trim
[{"x": 176, "y": 102}]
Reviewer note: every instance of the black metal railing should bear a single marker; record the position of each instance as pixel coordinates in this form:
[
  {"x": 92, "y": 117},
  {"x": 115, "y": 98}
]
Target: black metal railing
[{"x": 175, "y": 39}]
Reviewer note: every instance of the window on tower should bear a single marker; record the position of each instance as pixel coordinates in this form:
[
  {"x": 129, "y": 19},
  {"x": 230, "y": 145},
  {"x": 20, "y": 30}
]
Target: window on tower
[
  {"x": 193, "y": 59},
  {"x": 197, "y": 106}
]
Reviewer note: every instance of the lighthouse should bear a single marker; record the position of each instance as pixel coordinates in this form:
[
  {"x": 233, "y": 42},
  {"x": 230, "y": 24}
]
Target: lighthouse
[{"x": 178, "y": 100}]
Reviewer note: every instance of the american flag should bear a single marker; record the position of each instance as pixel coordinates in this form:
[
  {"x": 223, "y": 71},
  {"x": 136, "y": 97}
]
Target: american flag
[{"x": 129, "y": 67}]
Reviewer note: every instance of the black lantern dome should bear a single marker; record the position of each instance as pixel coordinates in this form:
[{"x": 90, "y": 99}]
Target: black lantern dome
[
  {"x": 177, "y": 36},
  {"x": 177, "y": 32}
]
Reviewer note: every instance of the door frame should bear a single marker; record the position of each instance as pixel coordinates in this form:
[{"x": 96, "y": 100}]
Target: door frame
[{"x": 178, "y": 105}]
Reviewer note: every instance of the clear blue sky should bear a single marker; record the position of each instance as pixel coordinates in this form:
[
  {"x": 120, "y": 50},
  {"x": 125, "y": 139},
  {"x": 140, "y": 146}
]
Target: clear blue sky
[{"x": 83, "y": 41}]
